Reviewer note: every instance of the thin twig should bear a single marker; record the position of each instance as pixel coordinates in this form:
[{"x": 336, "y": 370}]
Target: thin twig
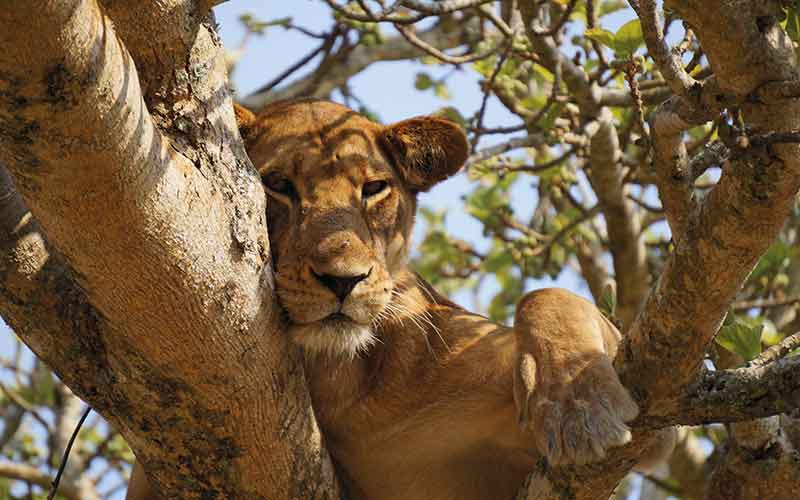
[
  {"x": 424, "y": 10},
  {"x": 498, "y": 130},
  {"x": 631, "y": 70},
  {"x": 650, "y": 208},
  {"x": 539, "y": 167},
  {"x": 501, "y": 25},
  {"x": 375, "y": 17},
  {"x": 511, "y": 223},
  {"x": 744, "y": 305},
  {"x": 561, "y": 21},
  {"x": 21, "y": 402},
  {"x": 487, "y": 90},
  {"x": 529, "y": 141},
  {"x": 65, "y": 457},
  {"x": 329, "y": 40},
  {"x": 439, "y": 7},
  {"x": 591, "y": 20},
  {"x": 410, "y": 35},
  {"x": 589, "y": 214},
  {"x": 776, "y": 138}
]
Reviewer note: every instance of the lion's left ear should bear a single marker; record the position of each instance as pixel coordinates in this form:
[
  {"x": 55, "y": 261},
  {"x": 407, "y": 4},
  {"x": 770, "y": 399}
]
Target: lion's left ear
[{"x": 426, "y": 149}]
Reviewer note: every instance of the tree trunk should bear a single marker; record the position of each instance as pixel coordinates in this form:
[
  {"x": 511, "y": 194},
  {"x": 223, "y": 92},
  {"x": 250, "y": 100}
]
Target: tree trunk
[{"x": 151, "y": 295}]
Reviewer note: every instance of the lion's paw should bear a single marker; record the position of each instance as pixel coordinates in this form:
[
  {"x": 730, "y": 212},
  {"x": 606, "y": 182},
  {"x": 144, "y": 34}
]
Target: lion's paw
[{"x": 574, "y": 421}]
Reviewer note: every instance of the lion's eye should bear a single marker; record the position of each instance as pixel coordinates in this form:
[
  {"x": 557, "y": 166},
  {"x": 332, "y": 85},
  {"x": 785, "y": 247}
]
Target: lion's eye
[
  {"x": 373, "y": 188},
  {"x": 277, "y": 182}
]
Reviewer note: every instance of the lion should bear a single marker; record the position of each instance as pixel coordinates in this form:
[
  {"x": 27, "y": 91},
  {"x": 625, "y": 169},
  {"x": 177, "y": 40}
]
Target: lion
[{"x": 416, "y": 396}]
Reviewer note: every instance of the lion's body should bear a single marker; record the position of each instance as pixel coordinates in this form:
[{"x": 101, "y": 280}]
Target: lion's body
[
  {"x": 430, "y": 413},
  {"x": 416, "y": 397}
]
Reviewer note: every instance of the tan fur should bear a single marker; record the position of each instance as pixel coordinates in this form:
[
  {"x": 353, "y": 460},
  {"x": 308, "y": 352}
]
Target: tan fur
[{"x": 418, "y": 398}]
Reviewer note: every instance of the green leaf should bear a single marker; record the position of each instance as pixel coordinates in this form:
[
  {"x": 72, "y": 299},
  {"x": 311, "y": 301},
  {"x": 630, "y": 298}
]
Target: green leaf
[
  {"x": 602, "y": 8},
  {"x": 793, "y": 23},
  {"x": 423, "y": 81},
  {"x": 485, "y": 67},
  {"x": 499, "y": 258},
  {"x": 452, "y": 114},
  {"x": 434, "y": 218},
  {"x": 611, "y": 6},
  {"x": 775, "y": 259},
  {"x": 547, "y": 121},
  {"x": 624, "y": 42},
  {"x": 739, "y": 336},
  {"x": 441, "y": 91},
  {"x": 372, "y": 38},
  {"x": 601, "y": 36},
  {"x": 259, "y": 27},
  {"x": 608, "y": 301},
  {"x": 628, "y": 38}
]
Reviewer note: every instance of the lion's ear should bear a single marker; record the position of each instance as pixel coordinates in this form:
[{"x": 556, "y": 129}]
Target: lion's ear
[
  {"x": 244, "y": 119},
  {"x": 426, "y": 149}
]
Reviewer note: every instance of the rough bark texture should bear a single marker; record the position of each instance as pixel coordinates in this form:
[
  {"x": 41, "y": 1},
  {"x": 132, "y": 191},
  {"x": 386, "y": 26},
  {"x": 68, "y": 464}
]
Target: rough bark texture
[
  {"x": 161, "y": 220},
  {"x": 757, "y": 449},
  {"x": 737, "y": 221},
  {"x": 151, "y": 294}
]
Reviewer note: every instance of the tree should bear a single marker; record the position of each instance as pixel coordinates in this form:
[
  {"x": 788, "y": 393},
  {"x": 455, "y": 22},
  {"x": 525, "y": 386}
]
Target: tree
[{"x": 134, "y": 259}]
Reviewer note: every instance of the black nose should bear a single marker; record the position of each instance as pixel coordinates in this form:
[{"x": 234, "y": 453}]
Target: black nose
[{"x": 341, "y": 286}]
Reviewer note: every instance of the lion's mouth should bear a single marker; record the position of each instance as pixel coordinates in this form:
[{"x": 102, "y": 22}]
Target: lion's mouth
[
  {"x": 338, "y": 316},
  {"x": 342, "y": 320}
]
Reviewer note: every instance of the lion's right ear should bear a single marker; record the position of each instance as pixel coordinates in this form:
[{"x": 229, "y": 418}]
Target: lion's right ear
[
  {"x": 426, "y": 150},
  {"x": 244, "y": 119}
]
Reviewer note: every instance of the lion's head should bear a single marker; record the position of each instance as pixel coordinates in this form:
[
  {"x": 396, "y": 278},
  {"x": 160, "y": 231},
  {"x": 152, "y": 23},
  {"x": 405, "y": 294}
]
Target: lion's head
[{"x": 341, "y": 200}]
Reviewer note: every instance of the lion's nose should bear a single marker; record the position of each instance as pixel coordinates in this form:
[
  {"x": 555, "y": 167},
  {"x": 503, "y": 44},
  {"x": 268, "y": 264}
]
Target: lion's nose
[{"x": 341, "y": 286}]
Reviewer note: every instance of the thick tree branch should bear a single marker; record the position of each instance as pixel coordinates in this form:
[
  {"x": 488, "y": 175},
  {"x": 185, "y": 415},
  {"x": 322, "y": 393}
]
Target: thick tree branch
[
  {"x": 43, "y": 304},
  {"x": 671, "y": 161},
  {"x": 740, "y": 394},
  {"x": 738, "y": 220},
  {"x": 593, "y": 269},
  {"x": 164, "y": 228},
  {"x": 759, "y": 462},
  {"x": 623, "y": 98},
  {"x": 622, "y": 221},
  {"x": 779, "y": 350},
  {"x": 668, "y": 63},
  {"x": 159, "y": 34}
]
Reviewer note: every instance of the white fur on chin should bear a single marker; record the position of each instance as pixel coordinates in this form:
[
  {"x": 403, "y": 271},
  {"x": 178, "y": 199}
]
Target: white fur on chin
[{"x": 334, "y": 338}]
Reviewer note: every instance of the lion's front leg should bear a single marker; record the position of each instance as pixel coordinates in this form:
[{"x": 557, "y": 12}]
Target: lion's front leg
[{"x": 565, "y": 387}]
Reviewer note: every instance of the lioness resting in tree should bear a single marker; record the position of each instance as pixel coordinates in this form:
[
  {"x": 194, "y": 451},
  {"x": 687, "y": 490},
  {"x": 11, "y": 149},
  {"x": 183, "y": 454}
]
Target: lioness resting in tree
[{"x": 416, "y": 397}]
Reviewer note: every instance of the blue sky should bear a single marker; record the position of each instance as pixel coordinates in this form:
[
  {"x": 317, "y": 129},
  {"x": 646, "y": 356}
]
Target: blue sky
[{"x": 388, "y": 89}]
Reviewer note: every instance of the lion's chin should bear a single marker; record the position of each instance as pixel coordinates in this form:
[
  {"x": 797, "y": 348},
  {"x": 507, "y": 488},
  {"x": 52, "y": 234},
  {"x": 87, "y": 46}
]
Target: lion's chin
[{"x": 334, "y": 336}]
